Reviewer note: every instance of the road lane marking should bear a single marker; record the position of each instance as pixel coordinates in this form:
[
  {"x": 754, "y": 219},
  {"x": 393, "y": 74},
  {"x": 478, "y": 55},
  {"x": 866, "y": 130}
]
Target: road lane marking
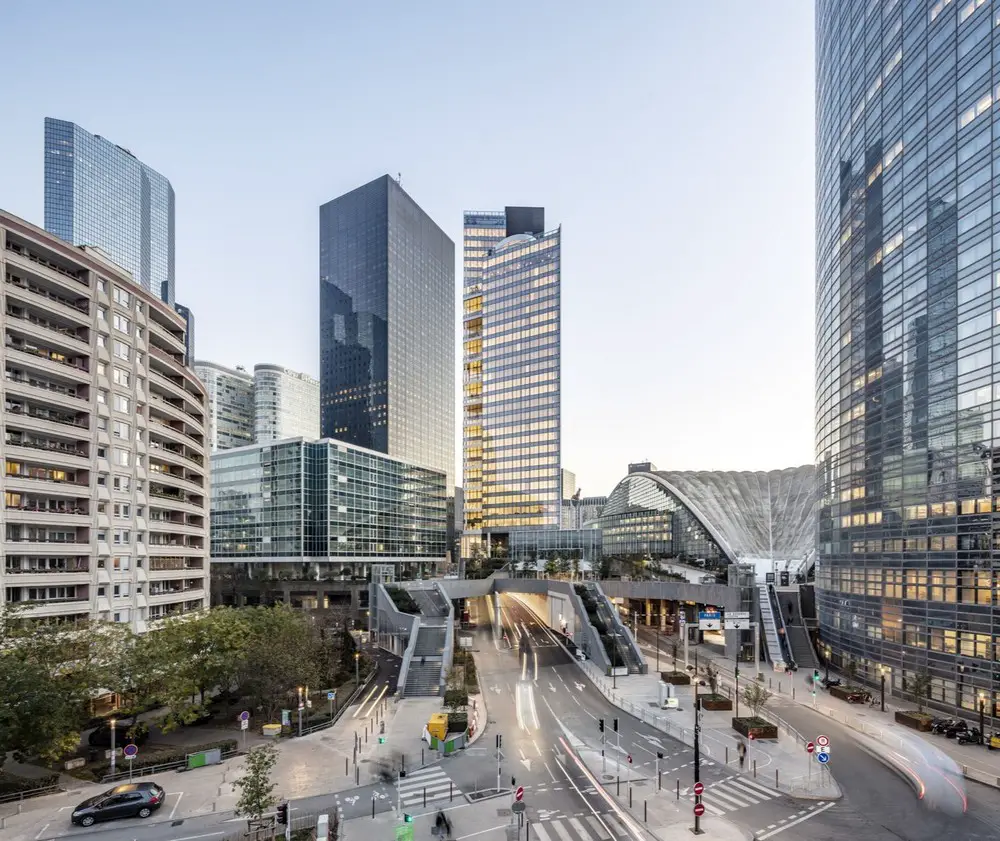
[
  {"x": 208, "y": 835},
  {"x": 180, "y": 794},
  {"x": 546, "y": 764},
  {"x": 41, "y": 832},
  {"x": 805, "y": 817},
  {"x": 361, "y": 706},
  {"x": 536, "y": 747}
]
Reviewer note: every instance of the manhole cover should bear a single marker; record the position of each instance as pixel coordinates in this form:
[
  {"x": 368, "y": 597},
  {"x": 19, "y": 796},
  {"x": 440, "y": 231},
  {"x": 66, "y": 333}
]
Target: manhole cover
[{"x": 607, "y": 776}]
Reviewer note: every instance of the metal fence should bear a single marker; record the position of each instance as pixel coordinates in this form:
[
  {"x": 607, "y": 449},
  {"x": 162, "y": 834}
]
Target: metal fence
[
  {"x": 20, "y": 796},
  {"x": 324, "y": 725}
]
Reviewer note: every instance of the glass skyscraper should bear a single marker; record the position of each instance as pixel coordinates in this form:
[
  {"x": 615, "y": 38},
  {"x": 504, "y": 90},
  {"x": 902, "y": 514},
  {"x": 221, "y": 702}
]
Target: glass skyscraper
[
  {"x": 511, "y": 354},
  {"x": 100, "y": 194},
  {"x": 387, "y": 336},
  {"x": 906, "y": 325}
]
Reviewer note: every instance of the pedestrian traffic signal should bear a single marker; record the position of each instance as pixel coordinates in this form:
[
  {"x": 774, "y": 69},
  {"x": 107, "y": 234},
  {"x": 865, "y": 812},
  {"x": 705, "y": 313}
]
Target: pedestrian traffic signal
[
  {"x": 616, "y": 725},
  {"x": 283, "y": 813},
  {"x": 407, "y": 818},
  {"x": 815, "y": 675},
  {"x": 659, "y": 754},
  {"x": 600, "y": 724},
  {"x": 381, "y": 740},
  {"x": 513, "y": 782}
]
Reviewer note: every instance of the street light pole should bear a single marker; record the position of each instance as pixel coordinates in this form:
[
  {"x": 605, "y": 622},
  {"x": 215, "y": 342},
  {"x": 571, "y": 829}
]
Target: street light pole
[
  {"x": 882, "y": 670},
  {"x": 300, "y": 710},
  {"x": 113, "y": 757},
  {"x": 357, "y": 678},
  {"x": 982, "y": 715},
  {"x": 697, "y": 749}
]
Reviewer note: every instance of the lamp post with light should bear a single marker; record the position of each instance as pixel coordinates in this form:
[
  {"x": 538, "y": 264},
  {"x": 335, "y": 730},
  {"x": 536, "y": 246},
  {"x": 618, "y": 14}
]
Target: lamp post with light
[
  {"x": 357, "y": 658},
  {"x": 881, "y": 670},
  {"x": 982, "y": 715},
  {"x": 113, "y": 757}
]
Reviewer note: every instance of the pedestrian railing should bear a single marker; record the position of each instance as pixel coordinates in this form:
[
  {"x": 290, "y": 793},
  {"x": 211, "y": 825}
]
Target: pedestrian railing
[
  {"x": 147, "y": 770},
  {"x": 20, "y": 796},
  {"x": 325, "y": 725}
]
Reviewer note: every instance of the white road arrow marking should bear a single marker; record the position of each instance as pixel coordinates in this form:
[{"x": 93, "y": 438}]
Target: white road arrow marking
[
  {"x": 580, "y": 687},
  {"x": 495, "y": 689},
  {"x": 526, "y": 763},
  {"x": 552, "y": 686}
]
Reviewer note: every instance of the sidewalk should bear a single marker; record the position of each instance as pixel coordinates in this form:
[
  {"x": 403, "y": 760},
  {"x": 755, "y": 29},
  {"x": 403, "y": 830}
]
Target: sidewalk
[{"x": 977, "y": 763}]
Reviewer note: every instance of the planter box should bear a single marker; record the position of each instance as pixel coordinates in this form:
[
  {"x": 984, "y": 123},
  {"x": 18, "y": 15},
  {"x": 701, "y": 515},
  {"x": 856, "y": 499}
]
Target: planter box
[
  {"x": 841, "y": 692},
  {"x": 911, "y": 718},
  {"x": 755, "y": 727},
  {"x": 676, "y": 678},
  {"x": 715, "y": 703}
]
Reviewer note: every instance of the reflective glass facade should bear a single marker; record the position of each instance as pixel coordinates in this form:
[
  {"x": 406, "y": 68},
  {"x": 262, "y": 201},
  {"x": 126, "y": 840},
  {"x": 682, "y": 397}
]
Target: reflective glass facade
[
  {"x": 230, "y": 405},
  {"x": 906, "y": 323},
  {"x": 325, "y": 499},
  {"x": 100, "y": 194},
  {"x": 286, "y": 404},
  {"x": 511, "y": 384},
  {"x": 387, "y": 338}
]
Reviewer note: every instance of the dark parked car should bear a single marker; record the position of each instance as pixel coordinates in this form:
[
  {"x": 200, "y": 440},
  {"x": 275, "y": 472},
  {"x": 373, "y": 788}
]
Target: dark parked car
[
  {"x": 132, "y": 800},
  {"x": 101, "y": 737}
]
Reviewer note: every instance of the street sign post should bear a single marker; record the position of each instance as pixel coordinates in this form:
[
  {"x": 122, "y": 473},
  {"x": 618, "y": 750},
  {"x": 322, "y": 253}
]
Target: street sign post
[
  {"x": 517, "y": 807},
  {"x": 519, "y": 794},
  {"x": 699, "y": 809},
  {"x": 130, "y": 752},
  {"x": 699, "y": 789},
  {"x": 810, "y": 747},
  {"x": 244, "y": 726},
  {"x": 823, "y": 757},
  {"x": 822, "y": 741},
  {"x": 709, "y": 620},
  {"x": 331, "y": 696}
]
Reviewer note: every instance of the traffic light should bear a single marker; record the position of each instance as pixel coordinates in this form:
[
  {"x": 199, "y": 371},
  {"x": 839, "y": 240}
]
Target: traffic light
[
  {"x": 407, "y": 818},
  {"x": 615, "y": 725},
  {"x": 815, "y": 675},
  {"x": 513, "y": 783},
  {"x": 659, "y": 754},
  {"x": 600, "y": 724},
  {"x": 381, "y": 740},
  {"x": 283, "y": 812}
]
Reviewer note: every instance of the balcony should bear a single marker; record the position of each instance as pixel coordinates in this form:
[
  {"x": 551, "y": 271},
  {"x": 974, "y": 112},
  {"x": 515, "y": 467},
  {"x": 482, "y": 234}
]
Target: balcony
[
  {"x": 27, "y": 577},
  {"x": 29, "y": 292},
  {"x": 173, "y": 411},
  {"x": 170, "y": 596},
  {"x": 44, "y": 546},
  {"x": 46, "y": 484},
  {"x": 159, "y": 565},
  {"x": 36, "y": 512},
  {"x": 174, "y": 388},
  {"x": 74, "y": 279},
  {"x": 56, "y": 607},
  {"x": 46, "y": 330},
  {"x": 56, "y": 452},
  {"x": 53, "y": 393},
  {"x": 46, "y": 359},
  {"x": 31, "y": 418}
]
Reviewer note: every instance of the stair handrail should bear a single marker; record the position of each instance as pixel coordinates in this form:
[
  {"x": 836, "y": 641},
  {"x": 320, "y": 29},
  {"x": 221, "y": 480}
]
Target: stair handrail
[{"x": 782, "y": 628}]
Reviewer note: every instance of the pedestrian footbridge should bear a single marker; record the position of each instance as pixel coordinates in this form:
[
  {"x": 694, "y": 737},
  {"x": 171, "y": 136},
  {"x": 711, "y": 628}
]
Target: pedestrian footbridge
[{"x": 416, "y": 620}]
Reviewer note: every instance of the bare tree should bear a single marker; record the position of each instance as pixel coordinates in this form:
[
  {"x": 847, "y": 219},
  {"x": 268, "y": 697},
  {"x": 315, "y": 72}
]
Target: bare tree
[{"x": 755, "y": 696}]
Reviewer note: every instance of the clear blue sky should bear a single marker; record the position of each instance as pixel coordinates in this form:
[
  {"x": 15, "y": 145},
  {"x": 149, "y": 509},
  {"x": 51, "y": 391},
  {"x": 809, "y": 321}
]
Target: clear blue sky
[{"x": 673, "y": 141}]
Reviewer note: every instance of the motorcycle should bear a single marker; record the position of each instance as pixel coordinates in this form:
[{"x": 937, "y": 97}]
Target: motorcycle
[
  {"x": 831, "y": 682},
  {"x": 942, "y": 725},
  {"x": 953, "y": 731},
  {"x": 970, "y": 737}
]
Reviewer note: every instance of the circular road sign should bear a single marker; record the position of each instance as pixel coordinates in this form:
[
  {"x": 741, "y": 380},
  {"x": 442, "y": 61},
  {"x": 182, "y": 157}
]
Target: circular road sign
[
  {"x": 331, "y": 695},
  {"x": 130, "y": 751},
  {"x": 822, "y": 741},
  {"x": 518, "y": 806},
  {"x": 810, "y": 747},
  {"x": 630, "y": 759},
  {"x": 699, "y": 809},
  {"x": 519, "y": 794},
  {"x": 823, "y": 757},
  {"x": 245, "y": 715},
  {"x": 699, "y": 788}
]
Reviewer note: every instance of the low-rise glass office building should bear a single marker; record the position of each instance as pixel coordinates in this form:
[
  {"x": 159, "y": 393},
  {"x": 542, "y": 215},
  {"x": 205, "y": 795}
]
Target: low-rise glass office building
[{"x": 299, "y": 510}]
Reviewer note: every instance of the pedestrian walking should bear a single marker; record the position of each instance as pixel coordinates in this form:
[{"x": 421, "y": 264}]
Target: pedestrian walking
[{"x": 741, "y": 749}]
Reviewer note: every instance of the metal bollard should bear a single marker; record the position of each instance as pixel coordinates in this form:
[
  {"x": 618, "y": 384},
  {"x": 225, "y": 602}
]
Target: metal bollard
[
  {"x": 618, "y": 787},
  {"x": 775, "y": 777},
  {"x": 373, "y": 808},
  {"x": 779, "y": 686},
  {"x": 357, "y": 775},
  {"x": 645, "y": 812},
  {"x": 451, "y": 791},
  {"x": 770, "y": 683},
  {"x": 755, "y": 769},
  {"x": 425, "y": 797},
  {"x": 727, "y": 755},
  {"x": 421, "y": 757},
  {"x": 347, "y": 770},
  {"x": 630, "y": 797},
  {"x": 793, "y": 693},
  {"x": 678, "y": 789}
]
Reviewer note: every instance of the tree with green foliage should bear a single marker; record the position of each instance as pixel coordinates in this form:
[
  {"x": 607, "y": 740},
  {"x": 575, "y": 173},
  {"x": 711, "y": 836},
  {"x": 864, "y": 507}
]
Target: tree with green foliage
[
  {"x": 920, "y": 686},
  {"x": 756, "y": 697},
  {"x": 256, "y": 789}
]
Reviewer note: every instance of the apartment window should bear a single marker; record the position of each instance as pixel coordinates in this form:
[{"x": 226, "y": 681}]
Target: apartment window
[
  {"x": 102, "y": 396},
  {"x": 122, "y": 590},
  {"x": 122, "y": 350},
  {"x": 123, "y": 297},
  {"x": 102, "y": 452},
  {"x": 123, "y": 458},
  {"x": 122, "y": 323},
  {"x": 121, "y": 377},
  {"x": 102, "y": 481},
  {"x": 122, "y": 483},
  {"x": 102, "y": 285},
  {"x": 122, "y": 429},
  {"x": 101, "y": 341},
  {"x": 102, "y": 424},
  {"x": 122, "y": 404},
  {"x": 122, "y": 563},
  {"x": 102, "y": 313},
  {"x": 122, "y": 537},
  {"x": 123, "y": 511},
  {"x": 102, "y": 369}
]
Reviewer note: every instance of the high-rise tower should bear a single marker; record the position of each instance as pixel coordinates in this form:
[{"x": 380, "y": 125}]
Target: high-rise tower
[
  {"x": 511, "y": 361},
  {"x": 387, "y": 328}
]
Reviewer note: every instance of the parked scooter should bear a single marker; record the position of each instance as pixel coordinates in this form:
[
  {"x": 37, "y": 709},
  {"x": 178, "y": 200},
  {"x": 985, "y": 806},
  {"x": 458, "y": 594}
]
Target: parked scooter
[
  {"x": 831, "y": 682},
  {"x": 956, "y": 729},
  {"x": 970, "y": 737},
  {"x": 942, "y": 724}
]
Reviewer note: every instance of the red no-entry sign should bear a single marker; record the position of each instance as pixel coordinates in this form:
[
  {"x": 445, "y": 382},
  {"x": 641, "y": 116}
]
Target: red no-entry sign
[
  {"x": 519, "y": 794},
  {"x": 699, "y": 809},
  {"x": 810, "y": 747},
  {"x": 699, "y": 788},
  {"x": 630, "y": 759}
]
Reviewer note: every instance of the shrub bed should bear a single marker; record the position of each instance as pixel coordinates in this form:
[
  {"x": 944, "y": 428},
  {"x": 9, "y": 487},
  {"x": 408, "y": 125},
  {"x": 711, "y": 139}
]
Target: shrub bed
[
  {"x": 759, "y": 728},
  {"x": 911, "y": 718},
  {"x": 13, "y": 784},
  {"x": 714, "y": 703},
  {"x": 161, "y": 757},
  {"x": 676, "y": 678},
  {"x": 403, "y": 600}
]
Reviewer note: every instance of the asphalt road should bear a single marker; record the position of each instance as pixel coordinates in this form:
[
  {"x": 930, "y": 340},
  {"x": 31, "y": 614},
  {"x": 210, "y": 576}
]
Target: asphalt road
[{"x": 878, "y": 805}]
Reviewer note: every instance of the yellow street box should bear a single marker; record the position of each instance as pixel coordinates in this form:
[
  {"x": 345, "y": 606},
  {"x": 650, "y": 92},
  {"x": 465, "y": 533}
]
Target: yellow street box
[
  {"x": 438, "y": 725},
  {"x": 271, "y": 729}
]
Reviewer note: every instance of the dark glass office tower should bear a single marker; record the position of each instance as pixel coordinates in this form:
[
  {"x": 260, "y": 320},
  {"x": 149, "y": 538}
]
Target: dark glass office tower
[
  {"x": 97, "y": 193},
  {"x": 907, "y": 375},
  {"x": 387, "y": 326}
]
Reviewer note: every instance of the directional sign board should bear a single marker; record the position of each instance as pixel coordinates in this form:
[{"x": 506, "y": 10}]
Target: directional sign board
[
  {"x": 810, "y": 747},
  {"x": 822, "y": 741},
  {"x": 738, "y": 614},
  {"x": 699, "y": 789},
  {"x": 699, "y": 809},
  {"x": 244, "y": 725},
  {"x": 709, "y": 620},
  {"x": 736, "y": 624},
  {"x": 331, "y": 695},
  {"x": 823, "y": 757}
]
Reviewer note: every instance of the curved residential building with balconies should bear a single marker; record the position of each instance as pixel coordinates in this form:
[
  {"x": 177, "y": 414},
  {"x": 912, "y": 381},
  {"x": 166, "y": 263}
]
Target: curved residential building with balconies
[{"x": 105, "y": 513}]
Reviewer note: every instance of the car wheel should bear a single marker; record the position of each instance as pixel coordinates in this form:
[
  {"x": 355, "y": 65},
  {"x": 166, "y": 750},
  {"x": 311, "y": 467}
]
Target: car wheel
[
  {"x": 145, "y": 812},
  {"x": 87, "y": 820}
]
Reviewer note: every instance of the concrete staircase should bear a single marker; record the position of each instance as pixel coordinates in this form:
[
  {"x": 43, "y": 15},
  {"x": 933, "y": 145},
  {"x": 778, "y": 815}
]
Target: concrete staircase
[
  {"x": 430, "y": 642},
  {"x": 423, "y": 679}
]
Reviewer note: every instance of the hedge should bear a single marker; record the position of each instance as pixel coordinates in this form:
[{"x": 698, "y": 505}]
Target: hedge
[
  {"x": 161, "y": 757},
  {"x": 13, "y": 784}
]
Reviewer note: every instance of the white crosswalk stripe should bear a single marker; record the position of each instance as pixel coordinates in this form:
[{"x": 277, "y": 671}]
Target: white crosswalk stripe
[
  {"x": 605, "y": 827},
  {"x": 433, "y": 781},
  {"x": 734, "y": 793}
]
